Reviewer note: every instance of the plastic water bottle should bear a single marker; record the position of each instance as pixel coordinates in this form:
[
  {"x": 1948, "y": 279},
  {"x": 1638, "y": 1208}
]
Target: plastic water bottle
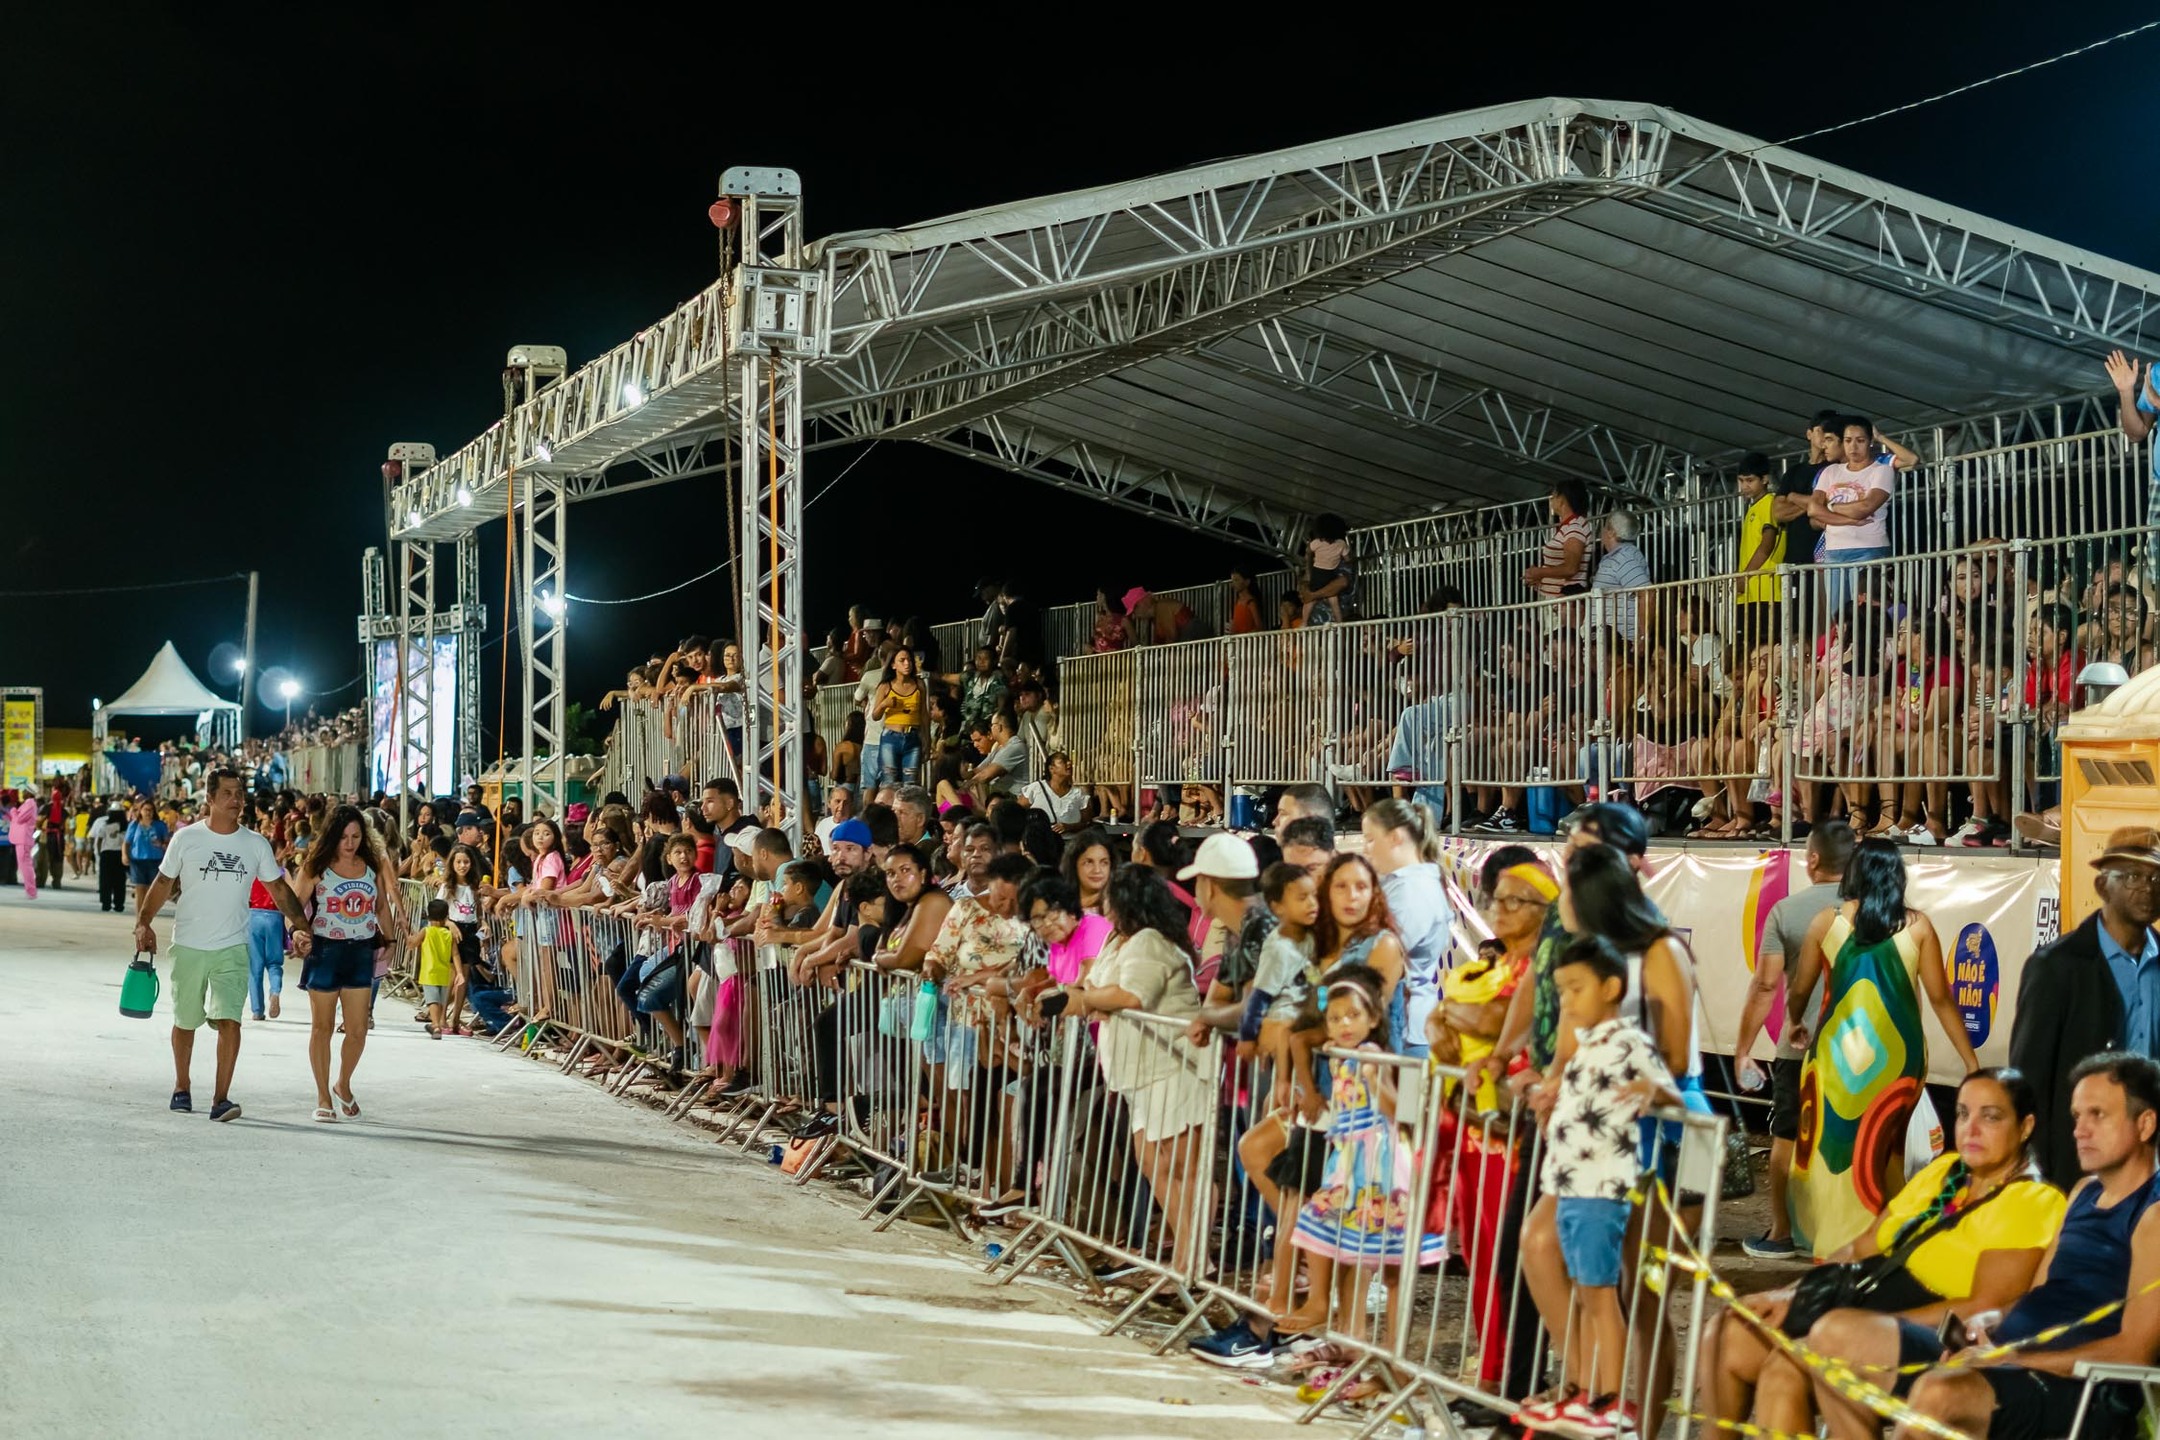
[
  {"x": 779, "y": 1153},
  {"x": 993, "y": 1250}
]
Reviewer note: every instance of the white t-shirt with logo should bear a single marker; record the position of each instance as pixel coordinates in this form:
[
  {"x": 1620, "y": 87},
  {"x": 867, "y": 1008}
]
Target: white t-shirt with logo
[
  {"x": 216, "y": 874},
  {"x": 1840, "y": 483}
]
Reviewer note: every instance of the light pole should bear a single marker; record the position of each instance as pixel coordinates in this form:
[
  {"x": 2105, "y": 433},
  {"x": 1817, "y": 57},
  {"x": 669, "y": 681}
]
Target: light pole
[{"x": 288, "y": 689}]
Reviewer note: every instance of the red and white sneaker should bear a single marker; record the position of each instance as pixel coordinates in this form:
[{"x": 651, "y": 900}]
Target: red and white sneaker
[
  {"x": 1582, "y": 1418},
  {"x": 1538, "y": 1413}
]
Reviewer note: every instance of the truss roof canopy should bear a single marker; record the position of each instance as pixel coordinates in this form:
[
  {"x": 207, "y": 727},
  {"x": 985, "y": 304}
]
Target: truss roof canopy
[{"x": 1426, "y": 318}]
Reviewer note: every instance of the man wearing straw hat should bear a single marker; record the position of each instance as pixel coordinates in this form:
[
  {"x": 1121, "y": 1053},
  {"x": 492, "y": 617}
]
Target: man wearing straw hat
[{"x": 2095, "y": 989}]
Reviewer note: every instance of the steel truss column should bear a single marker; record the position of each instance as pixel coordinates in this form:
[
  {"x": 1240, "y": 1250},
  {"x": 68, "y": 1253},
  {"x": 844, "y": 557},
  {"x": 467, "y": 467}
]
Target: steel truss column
[
  {"x": 545, "y": 549},
  {"x": 777, "y": 323},
  {"x": 472, "y": 620},
  {"x": 412, "y": 723},
  {"x": 375, "y": 618}
]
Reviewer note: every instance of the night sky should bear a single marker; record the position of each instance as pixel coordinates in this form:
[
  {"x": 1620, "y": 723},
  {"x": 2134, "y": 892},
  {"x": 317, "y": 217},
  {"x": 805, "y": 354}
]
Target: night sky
[{"x": 240, "y": 259}]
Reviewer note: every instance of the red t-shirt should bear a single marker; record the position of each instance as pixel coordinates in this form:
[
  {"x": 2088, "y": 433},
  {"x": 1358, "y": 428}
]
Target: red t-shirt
[
  {"x": 2059, "y": 688},
  {"x": 706, "y": 849}
]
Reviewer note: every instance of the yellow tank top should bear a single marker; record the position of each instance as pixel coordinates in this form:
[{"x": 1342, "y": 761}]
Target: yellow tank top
[{"x": 903, "y": 712}]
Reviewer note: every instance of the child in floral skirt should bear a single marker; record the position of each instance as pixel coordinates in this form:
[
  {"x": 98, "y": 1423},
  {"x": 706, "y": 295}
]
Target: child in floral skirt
[{"x": 1358, "y": 1222}]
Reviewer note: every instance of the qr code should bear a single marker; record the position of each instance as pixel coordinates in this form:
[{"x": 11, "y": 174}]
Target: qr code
[{"x": 2047, "y": 921}]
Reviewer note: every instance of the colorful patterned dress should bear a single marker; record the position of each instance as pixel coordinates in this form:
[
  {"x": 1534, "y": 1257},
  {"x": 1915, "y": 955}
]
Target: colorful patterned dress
[
  {"x": 1865, "y": 1070},
  {"x": 1359, "y": 1214}
]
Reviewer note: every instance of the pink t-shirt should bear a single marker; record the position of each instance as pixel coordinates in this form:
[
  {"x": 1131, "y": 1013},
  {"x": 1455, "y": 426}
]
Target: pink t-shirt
[
  {"x": 1071, "y": 956},
  {"x": 549, "y": 867}
]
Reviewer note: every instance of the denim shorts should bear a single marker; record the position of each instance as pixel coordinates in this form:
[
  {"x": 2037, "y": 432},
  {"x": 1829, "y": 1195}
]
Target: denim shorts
[
  {"x": 961, "y": 1045},
  {"x": 142, "y": 872},
  {"x": 1591, "y": 1235},
  {"x": 338, "y": 965}
]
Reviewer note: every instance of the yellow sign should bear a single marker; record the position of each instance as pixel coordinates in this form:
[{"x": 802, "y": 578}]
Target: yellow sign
[{"x": 19, "y": 769}]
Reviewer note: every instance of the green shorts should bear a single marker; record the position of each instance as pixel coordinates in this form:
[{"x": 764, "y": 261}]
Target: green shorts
[{"x": 208, "y": 985}]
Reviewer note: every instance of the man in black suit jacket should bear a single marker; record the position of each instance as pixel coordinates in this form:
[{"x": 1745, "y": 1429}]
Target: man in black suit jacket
[{"x": 2072, "y": 1001}]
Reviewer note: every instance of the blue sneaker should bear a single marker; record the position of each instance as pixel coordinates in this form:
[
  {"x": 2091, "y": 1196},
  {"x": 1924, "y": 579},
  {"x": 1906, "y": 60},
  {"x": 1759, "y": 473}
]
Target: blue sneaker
[
  {"x": 1235, "y": 1347},
  {"x": 183, "y": 1102},
  {"x": 1762, "y": 1247},
  {"x": 225, "y": 1110}
]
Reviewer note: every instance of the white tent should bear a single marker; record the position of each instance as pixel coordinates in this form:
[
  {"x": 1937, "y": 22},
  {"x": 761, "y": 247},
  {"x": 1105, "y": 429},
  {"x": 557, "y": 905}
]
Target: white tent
[{"x": 168, "y": 687}]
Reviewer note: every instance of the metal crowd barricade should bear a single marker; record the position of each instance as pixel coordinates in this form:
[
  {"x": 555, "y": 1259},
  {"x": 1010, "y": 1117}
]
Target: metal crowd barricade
[
  {"x": 1416, "y": 1289},
  {"x": 1902, "y": 671},
  {"x": 1180, "y": 742},
  {"x": 784, "y": 1061},
  {"x": 1532, "y": 688},
  {"x": 401, "y": 982},
  {"x": 880, "y": 1076},
  {"x": 1281, "y": 689},
  {"x": 721, "y": 1023},
  {"x": 1127, "y": 1175},
  {"x": 1097, "y": 714}
]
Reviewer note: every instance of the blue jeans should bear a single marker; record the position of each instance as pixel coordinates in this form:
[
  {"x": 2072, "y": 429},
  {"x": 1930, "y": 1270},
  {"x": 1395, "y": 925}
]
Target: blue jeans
[
  {"x": 900, "y": 756},
  {"x": 266, "y": 957},
  {"x": 487, "y": 1007},
  {"x": 1839, "y": 586}
]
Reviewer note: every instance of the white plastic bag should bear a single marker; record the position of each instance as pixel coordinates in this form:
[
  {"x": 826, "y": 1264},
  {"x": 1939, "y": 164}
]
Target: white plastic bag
[{"x": 1923, "y": 1137}]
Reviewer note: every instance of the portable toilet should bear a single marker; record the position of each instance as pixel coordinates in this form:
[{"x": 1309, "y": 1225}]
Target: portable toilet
[{"x": 2110, "y": 758}]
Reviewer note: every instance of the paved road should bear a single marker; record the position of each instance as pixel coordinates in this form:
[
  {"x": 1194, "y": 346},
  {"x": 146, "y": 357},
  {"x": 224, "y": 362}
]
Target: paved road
[{"x": 494, "y": 1249}]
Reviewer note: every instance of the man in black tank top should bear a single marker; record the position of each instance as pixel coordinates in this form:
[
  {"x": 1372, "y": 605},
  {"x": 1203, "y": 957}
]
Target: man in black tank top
[{"x": 2112, "y": 1231}]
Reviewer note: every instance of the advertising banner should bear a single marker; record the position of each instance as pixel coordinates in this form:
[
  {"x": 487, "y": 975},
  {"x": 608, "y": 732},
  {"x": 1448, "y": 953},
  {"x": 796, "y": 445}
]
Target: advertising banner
[
  {"x": 20, "y": 763},
  {"x": 1989, "y": 910}
]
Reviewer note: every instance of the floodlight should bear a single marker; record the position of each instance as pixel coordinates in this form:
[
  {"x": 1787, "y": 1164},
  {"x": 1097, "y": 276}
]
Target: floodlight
[{"x": 464, "y": 496}]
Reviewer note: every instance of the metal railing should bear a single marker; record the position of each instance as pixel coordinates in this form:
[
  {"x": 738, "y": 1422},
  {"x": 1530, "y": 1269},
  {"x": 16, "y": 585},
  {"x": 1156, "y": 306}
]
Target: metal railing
[
  {"x": 2040, "y": 490},
  {"x": 1894, "y": 678}
]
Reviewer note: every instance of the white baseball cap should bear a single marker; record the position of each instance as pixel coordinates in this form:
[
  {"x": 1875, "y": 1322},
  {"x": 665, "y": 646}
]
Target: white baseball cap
[{"x": 1223, "y": 857}]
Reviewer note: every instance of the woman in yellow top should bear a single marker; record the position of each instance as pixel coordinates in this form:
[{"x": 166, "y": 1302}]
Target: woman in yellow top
[
  {"x": 1473, "y": 1160},
  {"x": 1964, "y": 1236},
  {"x": 903, "y": 708}
]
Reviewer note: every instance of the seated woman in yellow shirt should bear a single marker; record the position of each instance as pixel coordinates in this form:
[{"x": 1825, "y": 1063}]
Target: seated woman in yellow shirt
[{"x": 1964, "y": 1236}]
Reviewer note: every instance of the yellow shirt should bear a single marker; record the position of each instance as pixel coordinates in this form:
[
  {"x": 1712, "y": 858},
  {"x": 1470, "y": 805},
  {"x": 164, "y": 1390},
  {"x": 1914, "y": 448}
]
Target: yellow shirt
[
  {"x": 2025, "y": 1216},
  {"x": 1752, "y": 525},
  {"x": 438, "y": 949}
]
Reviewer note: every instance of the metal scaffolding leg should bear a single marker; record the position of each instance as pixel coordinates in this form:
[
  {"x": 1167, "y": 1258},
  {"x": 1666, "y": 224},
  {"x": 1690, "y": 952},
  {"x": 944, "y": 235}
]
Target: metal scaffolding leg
[
  {"x": 412, "y": 724},
  {"x": 374, "y": 620},
  {"x": 778, "y": 324},
  {"x": 472, "y": 620},
  {"x": 546, "y": 545}
]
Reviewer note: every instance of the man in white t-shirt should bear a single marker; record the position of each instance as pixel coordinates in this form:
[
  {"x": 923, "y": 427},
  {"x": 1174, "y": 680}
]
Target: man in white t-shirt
[
  {"x": 1849, "y": 504},
  {"x": 216, "y": 864},
  {"x": 839, "y": 806}
]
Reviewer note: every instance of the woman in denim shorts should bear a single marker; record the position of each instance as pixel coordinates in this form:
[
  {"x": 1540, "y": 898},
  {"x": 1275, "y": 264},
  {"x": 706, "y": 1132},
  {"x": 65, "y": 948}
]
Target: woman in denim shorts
[{"x": 350, "y": 897}]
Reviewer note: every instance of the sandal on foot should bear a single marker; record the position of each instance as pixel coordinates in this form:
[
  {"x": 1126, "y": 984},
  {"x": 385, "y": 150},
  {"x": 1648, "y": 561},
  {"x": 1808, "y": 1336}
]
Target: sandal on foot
[
  {"x": 346, "y": 1103},
  {"x": 325, "y": 1115}
]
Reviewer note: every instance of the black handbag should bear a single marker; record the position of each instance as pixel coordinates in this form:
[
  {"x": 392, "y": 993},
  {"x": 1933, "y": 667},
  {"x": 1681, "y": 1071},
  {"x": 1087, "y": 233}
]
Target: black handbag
[{"x": 1880, "y": 1283}]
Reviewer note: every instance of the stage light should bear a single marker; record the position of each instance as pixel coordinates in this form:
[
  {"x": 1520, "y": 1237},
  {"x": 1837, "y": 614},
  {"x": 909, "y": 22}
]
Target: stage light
[
  {"x": 464, "y": 496},
  {"x": 633, "y": 394},
  {"x": 412, "y": 517},
  {"x": 552, "y": 604},
  {"x": 543, "y": 449},
  {"x": 289, "y": 689},
  {"x": 240, "y": 666}
]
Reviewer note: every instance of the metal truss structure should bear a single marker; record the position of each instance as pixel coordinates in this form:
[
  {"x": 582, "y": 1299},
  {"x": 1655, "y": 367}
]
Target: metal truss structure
[
  {"x": 1425, "y": 324},
  {"x": 545, "y": 542},
  {"x": 778, "y": 321}
]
